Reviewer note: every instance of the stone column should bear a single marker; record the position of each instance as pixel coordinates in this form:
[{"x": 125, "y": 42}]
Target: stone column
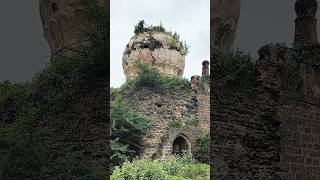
[
  {"x": 306, "y": 23},
  {"x": 205, "y": 68}
]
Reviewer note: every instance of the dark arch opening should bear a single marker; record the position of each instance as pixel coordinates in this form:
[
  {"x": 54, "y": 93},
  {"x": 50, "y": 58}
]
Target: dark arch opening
[
  {"x": 180, "y": 146},
  {"x": 54, "y": 7}
]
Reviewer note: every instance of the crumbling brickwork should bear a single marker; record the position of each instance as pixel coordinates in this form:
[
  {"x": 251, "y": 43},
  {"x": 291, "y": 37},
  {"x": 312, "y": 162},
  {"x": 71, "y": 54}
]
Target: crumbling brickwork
[
  {"x": 300, "y": 137},
  {"x": 174, "y": 113},
  {"x": 270, "y": 130},
  {"x": 245, "y": 142}
]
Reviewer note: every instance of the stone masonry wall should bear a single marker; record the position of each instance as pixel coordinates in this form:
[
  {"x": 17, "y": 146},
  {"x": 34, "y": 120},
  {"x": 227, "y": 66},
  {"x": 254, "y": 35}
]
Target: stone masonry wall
[
  {"x": 300, "y": 137},
  {"x": 245, "y": 141},
  {"x": 203, "y": 100},
  {"x": 270, "y": 130},
  {"x": 298, "y": 110},
  {"x": 174, "y": 113}
]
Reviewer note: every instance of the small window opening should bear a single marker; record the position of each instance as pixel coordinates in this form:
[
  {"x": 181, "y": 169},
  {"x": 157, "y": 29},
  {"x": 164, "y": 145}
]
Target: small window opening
[{"x": 54, "y": 7}]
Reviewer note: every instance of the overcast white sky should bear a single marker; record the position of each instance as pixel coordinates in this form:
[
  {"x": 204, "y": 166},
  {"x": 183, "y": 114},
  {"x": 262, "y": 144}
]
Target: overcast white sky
[{"x": 189, "y": 18}]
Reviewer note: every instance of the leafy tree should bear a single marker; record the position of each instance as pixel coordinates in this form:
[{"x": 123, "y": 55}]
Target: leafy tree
[
  {"x": 202, "y": 148},
  {"x": 140, "y": 28},
  {"x": 151, "y": 77},
  {"x": 127, "y": 130},
  {"x": 235, "y": 67},
  {"x": 27, "y": 149}
]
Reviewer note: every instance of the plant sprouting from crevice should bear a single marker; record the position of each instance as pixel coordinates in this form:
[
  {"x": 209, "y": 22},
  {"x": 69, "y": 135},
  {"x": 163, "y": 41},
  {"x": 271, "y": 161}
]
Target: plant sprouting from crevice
[{"x": 175, "y": 43}]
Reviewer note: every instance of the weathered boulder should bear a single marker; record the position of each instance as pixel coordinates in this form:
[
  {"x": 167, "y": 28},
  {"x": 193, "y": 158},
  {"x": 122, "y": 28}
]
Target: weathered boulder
[
  {"x": 224, "y": 21},
  {"x": 156, "y": 49}
]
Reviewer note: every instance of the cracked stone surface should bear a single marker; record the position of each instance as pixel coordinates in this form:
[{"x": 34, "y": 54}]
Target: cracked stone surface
[
  {"x": 156, "y": 49},
  {"x": 64, "y": 27},
  {"x": 224, "y": 20}
]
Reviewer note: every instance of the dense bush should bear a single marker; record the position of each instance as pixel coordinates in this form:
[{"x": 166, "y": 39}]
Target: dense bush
[
  {"x": 173, "y": 168},
  {"x": 202, "y": 148},
  {"x": 127, "y": 130},
  {"x": 9, "y": 90},
  {"x": 235, "y": 67},
  {"x": 152, "y": 78}
]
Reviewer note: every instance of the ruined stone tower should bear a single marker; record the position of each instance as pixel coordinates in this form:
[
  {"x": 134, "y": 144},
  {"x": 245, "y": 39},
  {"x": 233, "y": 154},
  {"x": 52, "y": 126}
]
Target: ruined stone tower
[
  {"x": 63, "y": 22},
  {"x": 306, "y": 23},
  {"x": 180, "y": 115},
  {"x": 224, "y": 21},
  {"x": 156, "y": 49}
]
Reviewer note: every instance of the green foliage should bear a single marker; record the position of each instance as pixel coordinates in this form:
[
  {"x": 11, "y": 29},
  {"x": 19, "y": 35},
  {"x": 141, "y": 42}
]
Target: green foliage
[
  {"x": 176, "y": 43},
  {"x": 28, "y": 150},
  {"x": 152, "y": 78},
  {"x": 114, "y": 93},
  {"x": 187, "y": 167},
  {"x": 127, "y": 130},
  {"x": 139, "y": 170},
  {"x": 173, "y": 168},
  {"x": 175, "y": 123},
  {"x": 9, "y": 90},
  {"x": 184, "y": 48},
  {"x": 193, "y": 122},
  {"x": 202, "y": 148},
  {"x": 235, "y": 67},
  {"x": 140, "y": 28}
]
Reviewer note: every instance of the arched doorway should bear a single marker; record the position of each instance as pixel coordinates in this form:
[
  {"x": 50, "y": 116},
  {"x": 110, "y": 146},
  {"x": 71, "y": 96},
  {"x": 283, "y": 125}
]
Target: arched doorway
[{"x": 180, "y": 145}]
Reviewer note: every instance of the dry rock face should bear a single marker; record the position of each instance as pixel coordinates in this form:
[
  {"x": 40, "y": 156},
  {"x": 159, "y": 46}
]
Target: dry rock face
[
  {"x": 156, "y": 49},
  {"x": 63, "y": 22},
  {"x": 224, "y": 21}
]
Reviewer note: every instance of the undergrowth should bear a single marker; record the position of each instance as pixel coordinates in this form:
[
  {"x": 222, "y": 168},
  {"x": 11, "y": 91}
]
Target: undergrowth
[
  {"x": 28, "y": 148},
  {"x": 150, "y": 77},
  {"x": 127, "y": 130},
  {"x": 173, "y": 168},
  {"x": 234, "y": 67}
]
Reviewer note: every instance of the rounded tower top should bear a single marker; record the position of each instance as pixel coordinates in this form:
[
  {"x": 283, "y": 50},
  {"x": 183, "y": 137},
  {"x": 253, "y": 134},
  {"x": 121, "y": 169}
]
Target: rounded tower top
[
  {"x": 306, "y": 23},
  {"x": 225, "y": 17},
  {"x": 157, "y": 49},
  {"x": 63, "y": 22},
  {"x": 306, "y": 8}
]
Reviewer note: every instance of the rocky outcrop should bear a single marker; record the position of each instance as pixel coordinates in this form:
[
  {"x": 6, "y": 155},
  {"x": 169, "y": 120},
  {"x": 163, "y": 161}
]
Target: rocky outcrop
[
  {"x": 64, "y": 22},
  {"x": 224, "y": 21},
  {"x": 156, "y": 49}
]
